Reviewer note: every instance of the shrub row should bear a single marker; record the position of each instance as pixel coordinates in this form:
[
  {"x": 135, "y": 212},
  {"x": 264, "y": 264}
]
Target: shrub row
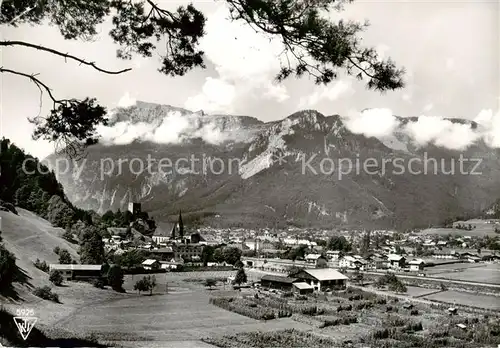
[
  {"x": 339, "y": 321},
  {"x": 243, "y": 307}
]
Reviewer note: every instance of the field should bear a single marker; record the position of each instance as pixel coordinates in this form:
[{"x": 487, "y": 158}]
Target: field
[
  {"x": 483, "y": 273},
  {"x": 463, "y": 298},
  {"x": 415, "y": 291},
  {"x": 378, "y": 322},
  {"x": 182, "y": 317},
  {"x": 482, "y": 229}
]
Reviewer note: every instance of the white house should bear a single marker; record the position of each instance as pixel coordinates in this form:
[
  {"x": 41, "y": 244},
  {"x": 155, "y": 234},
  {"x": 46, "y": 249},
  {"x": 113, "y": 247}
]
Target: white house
[
  {"x": 150, "y": 264},
  {"x": 316, "y": 259},
  {"x": 416, "y": 265},
  {"x": 333, "y": 255},
  {"x": 172, "y": 264},
  {"x": 350, "y": 262}
]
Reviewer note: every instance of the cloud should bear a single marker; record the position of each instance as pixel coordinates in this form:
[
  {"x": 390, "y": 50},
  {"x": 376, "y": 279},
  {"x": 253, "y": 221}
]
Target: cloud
[
  {"x": 244, "y": 59},
  {"x": 126, "y": 100},
  {"x": 381, "y": 123},
  {"x": 170, "y": 127},
  {"x": 441, "y": 132},
  {"x": 489, "y": 123},
  {"x": 339, "y": 89},
  {"x": 372, "y": 122},
  {"x": 216, "y": 95}
]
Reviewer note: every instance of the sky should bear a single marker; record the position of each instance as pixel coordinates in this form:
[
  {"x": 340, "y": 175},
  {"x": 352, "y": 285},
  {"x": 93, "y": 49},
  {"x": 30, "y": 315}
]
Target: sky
[{"x": 450, "y": 49}]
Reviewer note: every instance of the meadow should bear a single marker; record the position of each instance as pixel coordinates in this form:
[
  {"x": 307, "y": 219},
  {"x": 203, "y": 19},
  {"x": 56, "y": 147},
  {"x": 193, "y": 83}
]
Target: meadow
[
  {"x": 483, "y": 273},
  {"x": 182, "y": 317},
  {"x": 463, "y": 298},
  {"x": 483, "y": 228}
]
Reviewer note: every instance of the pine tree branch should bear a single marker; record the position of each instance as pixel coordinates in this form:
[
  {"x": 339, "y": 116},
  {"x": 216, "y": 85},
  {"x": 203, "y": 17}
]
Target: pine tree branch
[
  {"x": 64, "y": 55},
  {"x": 36, "y": 81}
]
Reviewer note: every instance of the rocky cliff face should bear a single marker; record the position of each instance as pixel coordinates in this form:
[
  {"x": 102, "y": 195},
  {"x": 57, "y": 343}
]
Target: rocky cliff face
[{"x": 307, "y": 169}]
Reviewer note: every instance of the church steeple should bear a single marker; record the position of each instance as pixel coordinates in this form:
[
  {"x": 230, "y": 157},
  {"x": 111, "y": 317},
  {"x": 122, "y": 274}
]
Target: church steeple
[
  {"x": 172, "y": 233},
  {"x": 181, "y": 225}
]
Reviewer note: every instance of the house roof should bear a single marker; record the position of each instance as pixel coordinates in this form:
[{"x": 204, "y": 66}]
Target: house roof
[
  {"x": 62, "y": 267},
  {"x": 162, "y": 250},
  {"x": 149, "y": 262},
  {"x": 313, "y": 256},
  {"x": 116, "y": 231},
  {"x": 416, "y": 262},
  {"x": 325, "y": 274},
  {"x": 303, "y": 286},
  {"x": 394, "y": 257},
  {"x": 279, "y": 279}
]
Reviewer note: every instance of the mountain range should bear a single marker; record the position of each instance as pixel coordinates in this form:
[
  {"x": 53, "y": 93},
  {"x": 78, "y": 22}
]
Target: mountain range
[{"x": 275, "y": 173}]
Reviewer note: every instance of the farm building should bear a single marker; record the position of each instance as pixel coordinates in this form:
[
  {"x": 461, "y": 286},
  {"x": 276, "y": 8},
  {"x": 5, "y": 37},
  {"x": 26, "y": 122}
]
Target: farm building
[
  {"x": 163, "y": 254},
  {"x": 333, "y": 255},
  {"x": 323, "y": 278},
  {"x": 317, "y": 260},
  {"x": 172, "y": 264},
  {"x": 416, "y": 265},
  {"x": 273, "y": 265},
  {"x": 302, "y": 288},
  {"x": 351, "y": 262},
  {"x": 277, "y": 282},
  {"x": 377, "y": 262},
  {"x": 77, "y": 272},
  {"x": 150, "y": 264},
  {"x": 445, "y": 253},
  {"x": 396, "y": 261}
]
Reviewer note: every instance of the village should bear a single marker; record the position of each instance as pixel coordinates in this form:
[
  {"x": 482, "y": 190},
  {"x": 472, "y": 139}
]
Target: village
[{"x": 294, "y": 259}]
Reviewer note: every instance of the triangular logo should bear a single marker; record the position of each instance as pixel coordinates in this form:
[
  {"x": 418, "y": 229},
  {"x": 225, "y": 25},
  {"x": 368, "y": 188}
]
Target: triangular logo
[{"x": 25, "y": 325}]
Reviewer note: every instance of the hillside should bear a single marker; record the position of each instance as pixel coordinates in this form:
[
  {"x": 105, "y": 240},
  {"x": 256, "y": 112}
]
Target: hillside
[
  {"x": 252, "y": 189},
  {"x": 29, "y": 237}
]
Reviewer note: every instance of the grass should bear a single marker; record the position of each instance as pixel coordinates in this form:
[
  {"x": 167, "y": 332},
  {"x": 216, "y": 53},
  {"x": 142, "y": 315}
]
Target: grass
[
  {"x": 9, "y": 335},
  {"x": 285, "y": 338},
  {"x": 463, "y": 298},
  {"x": 484, "y": 273},
  {"x": 482, "y": 229},
  {"x": 29, "y": 237}
]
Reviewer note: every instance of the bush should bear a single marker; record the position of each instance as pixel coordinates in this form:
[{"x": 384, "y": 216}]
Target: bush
[
  {"x": 56, "y": 277},
  {"x": 339, "y": 321},
  {"x": 98, "y": 283},
  {"x": 344, "y": 308},
  {"x": 64, "y": 257},
  {"x": 8, "y": 268},
  {"x": 414, "y": 312},
  {"x": 115, "y": 278},
  {"x": 41, "y": 265},
  {"x": 46, "y": 293},
  {"x": 414, "y": 327},
  {"x": 243, "y": 307}
]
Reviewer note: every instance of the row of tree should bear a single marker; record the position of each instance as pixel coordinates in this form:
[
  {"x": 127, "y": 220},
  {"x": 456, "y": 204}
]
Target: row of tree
[{"x": 220, "y": 254}]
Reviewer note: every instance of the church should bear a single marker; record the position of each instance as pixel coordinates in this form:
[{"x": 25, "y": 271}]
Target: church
[{"x": 186, "y": 247}]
